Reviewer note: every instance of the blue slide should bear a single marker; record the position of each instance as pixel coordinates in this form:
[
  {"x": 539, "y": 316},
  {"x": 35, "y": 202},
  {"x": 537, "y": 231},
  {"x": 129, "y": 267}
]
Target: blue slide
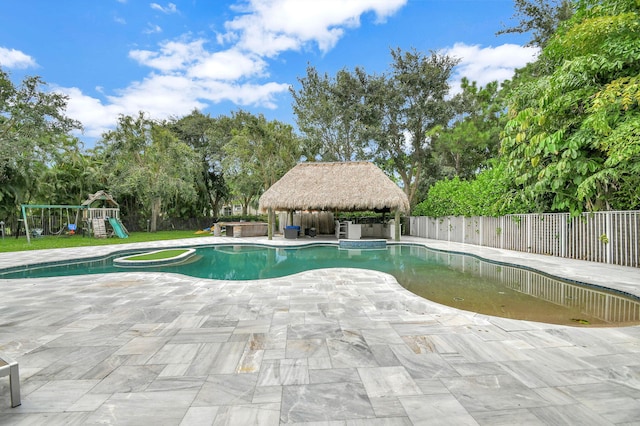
[{"x": 118, "y": 228}]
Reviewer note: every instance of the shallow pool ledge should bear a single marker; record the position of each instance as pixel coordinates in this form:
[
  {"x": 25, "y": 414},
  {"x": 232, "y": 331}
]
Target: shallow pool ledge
[{"x": 128, "y": 261}]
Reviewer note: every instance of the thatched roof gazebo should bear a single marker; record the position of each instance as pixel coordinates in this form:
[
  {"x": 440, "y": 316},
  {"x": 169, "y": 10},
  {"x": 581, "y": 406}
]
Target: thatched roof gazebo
[{"x": 346, "y": 186}]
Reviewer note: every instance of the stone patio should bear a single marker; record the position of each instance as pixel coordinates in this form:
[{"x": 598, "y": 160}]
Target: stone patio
[{"x": 335, "y": 346}]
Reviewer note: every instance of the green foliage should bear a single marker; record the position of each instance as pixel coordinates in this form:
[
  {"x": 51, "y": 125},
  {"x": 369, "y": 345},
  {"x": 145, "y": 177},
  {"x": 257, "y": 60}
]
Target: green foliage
[
  {"x": 144, "y": 158},
  {"x": 33, "y": 130},
  {"x": 572, "y": 140},
  {"x": 259, "y": 153},
  {"x": 206, "y": 136},
  {"x": 412, "y": 106},
  {"x": 334, "y": 114},
  {"x": 488, "y": 194},
  {"x": 465, "y": 147},
  {"x": 541, "y": 18}
]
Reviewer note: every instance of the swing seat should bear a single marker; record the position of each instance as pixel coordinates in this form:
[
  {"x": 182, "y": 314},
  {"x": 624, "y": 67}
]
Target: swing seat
[
  {"x": 72, "y": 228},
  {"x": 36, "y": 232}
]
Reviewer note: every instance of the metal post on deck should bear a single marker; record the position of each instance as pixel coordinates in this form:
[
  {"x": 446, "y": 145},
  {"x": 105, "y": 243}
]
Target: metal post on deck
[{"x": 26, "y": 224}]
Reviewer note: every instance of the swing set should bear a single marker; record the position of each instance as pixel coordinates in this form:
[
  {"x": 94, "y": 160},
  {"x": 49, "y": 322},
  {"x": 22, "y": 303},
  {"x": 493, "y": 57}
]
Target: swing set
[{"x": 50, "y": 221}]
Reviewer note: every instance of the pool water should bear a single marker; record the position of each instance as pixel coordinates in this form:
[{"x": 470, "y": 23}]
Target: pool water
[{"x": 452, "y": 279}]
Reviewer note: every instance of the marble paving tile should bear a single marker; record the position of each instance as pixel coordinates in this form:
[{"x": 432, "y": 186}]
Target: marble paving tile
[
  {"x": 308, "y": 403},
  {"x": 45, "y": 419},
  {"x": 388, "y": 407},
  {"x": 609, "y": 400},
  {"x": 569, "y": 414},
  {"x": 175, "y": 353},
  {"x": 128, "y": 379},
  {"x": 156, "y": 408},
  {"x": 265, "y": 394},
  {"x": 436, "y": 410},
  {"x": 200, "y": 416},
  {"x": 313, "y": 331},
  {"x": 307, "y": 348},
  {"x": 142, "y": 345},
  {"x": 350, "y": 350},
  {"x": 489, "y": 393},
  {"x": 521, "y": 417},
  {"x": 334, "y": 375},
  {"x": 388, "y": 381},
  {"x": 226, "y": 389},
  {"x": 250, "y": 361},
  {"x": 267, "y": 414},
  {"x": 55, "y": 396},
  {"x": 202, "y": 335},
  {"x": 284, "y": 372},
  {"x": 423, "y": 366}
]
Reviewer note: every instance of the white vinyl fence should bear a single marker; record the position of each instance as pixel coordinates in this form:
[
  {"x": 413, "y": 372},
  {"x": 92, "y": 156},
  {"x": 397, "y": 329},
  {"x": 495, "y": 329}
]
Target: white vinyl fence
[{"x": 608, "y": 237}]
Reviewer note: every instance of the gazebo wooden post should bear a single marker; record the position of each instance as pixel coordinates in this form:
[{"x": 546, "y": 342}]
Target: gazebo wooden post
[
  {"x": 270, "y": 224},
  {"x": 397, "y": 224}
]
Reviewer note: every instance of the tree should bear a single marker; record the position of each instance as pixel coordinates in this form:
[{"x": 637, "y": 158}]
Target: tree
[
  {"x": 259, "y": 154},
  {"x": 69, "y": 177},
  {"x": 333, "y": 114},
  {"x": 541, "y": 18},
  {"x": 33, "y": 128},
  {"x": 144, "y": 158},
  {"x": 207, "y": 136},
  {"x": 411, "y": 103},
  {"x": 573, "y": 138},
  {"x": 464, "y": 148}
]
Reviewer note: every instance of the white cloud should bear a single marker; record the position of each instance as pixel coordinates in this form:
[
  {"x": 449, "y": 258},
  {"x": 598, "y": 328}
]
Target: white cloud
[
  {"x": 152, "y": 29},
  {"x": 228, "y": 65},
  {"x": 172, "y": 56},
  {"x": 487, "y": 64},
  {"x": 268, "y": 27},
  {"x": 187, "y": 73},
  {"x": 12, "y": 58},
  {"x": 169, "y": 8}
]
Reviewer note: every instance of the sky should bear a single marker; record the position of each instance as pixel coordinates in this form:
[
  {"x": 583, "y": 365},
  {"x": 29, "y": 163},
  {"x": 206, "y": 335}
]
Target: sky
[{"x": 113, "y": 57}]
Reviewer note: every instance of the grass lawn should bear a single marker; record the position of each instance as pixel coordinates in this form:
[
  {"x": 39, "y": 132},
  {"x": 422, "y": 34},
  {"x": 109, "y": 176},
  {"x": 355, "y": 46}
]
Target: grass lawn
[
  {"x": 9, "y": 244},
  {"x": 158, "y": 255}
]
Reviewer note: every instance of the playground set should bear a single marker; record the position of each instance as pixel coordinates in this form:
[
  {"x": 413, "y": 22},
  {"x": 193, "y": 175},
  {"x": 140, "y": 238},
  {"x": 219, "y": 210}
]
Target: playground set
[{"x": 99, "y": 216}]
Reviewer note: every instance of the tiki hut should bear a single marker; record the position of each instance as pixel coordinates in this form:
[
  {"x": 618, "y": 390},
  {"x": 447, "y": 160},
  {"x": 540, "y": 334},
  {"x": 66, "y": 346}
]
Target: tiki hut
[{"x": 346, "y": 186}]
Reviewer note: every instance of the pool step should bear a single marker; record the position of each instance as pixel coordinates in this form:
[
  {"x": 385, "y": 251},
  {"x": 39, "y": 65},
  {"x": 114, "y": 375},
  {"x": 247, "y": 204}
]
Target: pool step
[{"x": 362, "y": 244}]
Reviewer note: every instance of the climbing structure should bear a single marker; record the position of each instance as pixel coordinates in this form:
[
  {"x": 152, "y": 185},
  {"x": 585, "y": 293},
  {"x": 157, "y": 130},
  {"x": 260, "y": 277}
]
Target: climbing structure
[{"x": 101, "y": 216}]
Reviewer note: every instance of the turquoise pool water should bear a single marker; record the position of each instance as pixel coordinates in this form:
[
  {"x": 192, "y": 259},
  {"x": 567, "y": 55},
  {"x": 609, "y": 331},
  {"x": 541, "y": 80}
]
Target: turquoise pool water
[{"x": 457, "y": 280}]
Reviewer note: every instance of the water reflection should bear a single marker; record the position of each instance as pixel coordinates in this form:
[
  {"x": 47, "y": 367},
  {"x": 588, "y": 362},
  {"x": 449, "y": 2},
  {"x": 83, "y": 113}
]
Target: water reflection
[{"x": 591, "y": 303}]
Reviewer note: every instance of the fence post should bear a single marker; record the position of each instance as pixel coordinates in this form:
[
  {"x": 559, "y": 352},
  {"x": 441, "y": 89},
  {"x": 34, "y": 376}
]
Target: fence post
[
  {"x": 608, "y": 245},
  {"x": 563, "y": 235},
  {"x": 529, "y": 222},
  {"x": 464, "y": 229}
]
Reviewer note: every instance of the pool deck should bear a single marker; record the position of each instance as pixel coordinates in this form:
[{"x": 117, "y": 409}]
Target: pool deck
[{"x": 330, "y": 347}]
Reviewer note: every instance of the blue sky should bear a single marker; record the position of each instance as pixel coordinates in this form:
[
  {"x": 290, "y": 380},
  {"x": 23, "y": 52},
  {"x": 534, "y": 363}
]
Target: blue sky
[{"x": 116, "y": 57}]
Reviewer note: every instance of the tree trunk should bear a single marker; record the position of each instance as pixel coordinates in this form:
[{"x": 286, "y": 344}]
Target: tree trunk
[{"x": 156, "y": 204}]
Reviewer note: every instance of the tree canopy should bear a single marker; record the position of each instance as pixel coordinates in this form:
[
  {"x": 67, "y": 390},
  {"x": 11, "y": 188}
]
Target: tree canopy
[{"x": 572, "y": 141}]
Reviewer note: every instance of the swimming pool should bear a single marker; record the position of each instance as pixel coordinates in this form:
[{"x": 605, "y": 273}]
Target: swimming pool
[{"x": 457, "y": 280}]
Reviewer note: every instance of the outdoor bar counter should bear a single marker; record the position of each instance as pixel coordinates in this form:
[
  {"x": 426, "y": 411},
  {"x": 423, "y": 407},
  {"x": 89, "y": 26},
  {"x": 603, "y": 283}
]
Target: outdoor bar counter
[{"x": 246, "y": 229}]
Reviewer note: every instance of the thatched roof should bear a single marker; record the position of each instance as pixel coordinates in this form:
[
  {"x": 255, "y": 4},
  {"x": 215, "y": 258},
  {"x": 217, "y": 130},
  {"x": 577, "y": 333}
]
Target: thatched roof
[
  {"x": 349, "y": 186},
  {"x": 100, "y": 196}
]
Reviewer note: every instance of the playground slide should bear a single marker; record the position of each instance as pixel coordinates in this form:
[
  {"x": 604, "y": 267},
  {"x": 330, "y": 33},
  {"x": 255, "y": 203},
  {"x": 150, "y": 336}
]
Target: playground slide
[{"x": 118, "y": 228}]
